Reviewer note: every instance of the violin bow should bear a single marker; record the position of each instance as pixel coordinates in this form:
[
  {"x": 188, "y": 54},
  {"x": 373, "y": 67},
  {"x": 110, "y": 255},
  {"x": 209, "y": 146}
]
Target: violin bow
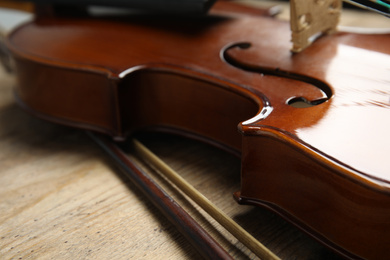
[{"x": 185, "y": 224}]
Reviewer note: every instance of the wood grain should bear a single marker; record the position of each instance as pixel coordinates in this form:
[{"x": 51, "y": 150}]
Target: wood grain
[{"x": 62, "y": 198}]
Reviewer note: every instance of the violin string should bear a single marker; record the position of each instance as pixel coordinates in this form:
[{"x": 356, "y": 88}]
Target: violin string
[
  {"x": 383, "y": 3},
  {"x": 380, "y": 6},
  {"x": 236, "y": 230}
]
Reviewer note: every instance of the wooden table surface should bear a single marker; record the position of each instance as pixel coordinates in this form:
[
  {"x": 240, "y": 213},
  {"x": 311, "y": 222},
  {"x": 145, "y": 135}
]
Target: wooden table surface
[{"x": 62, "y": 198}]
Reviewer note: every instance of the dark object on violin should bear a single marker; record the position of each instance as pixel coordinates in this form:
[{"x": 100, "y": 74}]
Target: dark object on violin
[
  {"x": 165, "y": 6},
  {"x": 324, "y": 166}
]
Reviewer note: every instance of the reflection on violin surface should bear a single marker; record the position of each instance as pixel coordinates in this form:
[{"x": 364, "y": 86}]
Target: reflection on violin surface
[
  {"x": 361, "y": 110},
  {"x": 322, "y": 167}
]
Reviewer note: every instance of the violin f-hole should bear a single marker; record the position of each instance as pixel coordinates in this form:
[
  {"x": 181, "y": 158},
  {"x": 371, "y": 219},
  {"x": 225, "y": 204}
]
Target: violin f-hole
[{"x": 295, "y": 101}]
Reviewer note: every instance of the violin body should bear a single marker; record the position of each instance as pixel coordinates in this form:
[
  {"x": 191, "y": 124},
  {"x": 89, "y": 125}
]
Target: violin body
[{"x": 324, "y": 167}]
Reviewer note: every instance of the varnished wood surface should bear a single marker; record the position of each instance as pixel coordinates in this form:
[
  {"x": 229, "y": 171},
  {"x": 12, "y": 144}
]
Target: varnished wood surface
[{"x": 61, "y": 198}]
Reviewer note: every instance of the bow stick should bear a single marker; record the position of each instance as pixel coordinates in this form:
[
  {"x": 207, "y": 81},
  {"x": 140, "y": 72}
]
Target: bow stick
[
  {"x": 189, "y": 228},
  {"x": 184, "y": 223}
]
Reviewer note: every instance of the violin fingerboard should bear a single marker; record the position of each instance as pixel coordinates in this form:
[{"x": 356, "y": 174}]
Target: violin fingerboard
[{"x": 166, "y": 6}]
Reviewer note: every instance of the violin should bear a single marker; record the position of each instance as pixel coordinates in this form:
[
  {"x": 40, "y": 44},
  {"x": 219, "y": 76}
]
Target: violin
[{"x": 310, "y": 128}]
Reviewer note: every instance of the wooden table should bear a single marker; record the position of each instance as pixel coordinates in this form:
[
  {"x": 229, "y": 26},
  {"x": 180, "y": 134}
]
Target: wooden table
[{"x": 62, "y": 198}]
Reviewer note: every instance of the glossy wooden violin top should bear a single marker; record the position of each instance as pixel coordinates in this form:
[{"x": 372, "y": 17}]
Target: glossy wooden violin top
[{"x": 324, "y": 166}]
